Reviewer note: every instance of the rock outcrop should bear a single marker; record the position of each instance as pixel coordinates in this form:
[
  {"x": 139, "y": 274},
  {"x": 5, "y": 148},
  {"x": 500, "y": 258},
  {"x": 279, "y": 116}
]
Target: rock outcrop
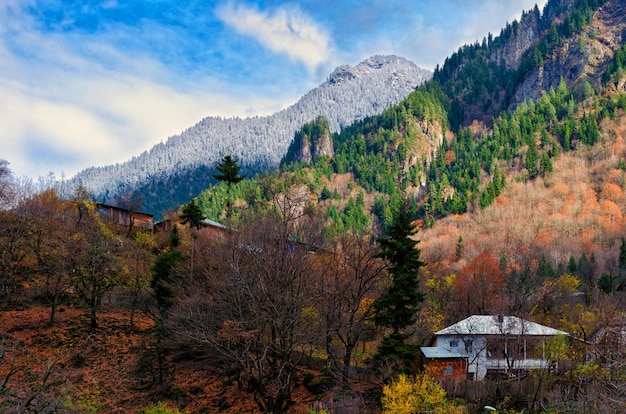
[{"x": 581, "y": 58}]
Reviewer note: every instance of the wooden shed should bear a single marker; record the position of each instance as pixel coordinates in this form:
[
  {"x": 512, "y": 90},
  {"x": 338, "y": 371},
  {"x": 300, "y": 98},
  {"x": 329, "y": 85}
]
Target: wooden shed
[{"x": 125, "y": 217}]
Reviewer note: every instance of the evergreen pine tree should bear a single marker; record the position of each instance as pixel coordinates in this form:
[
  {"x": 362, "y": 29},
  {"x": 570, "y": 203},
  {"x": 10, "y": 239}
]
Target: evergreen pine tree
[
  {"x": 544, "y": 269},
  {"x": 460, "y": 247},
  {"x": 397, "y": 306},
  {"x": 497, "y": 181},
  {"x": 174, "y": 237},
  {"x": 162, "y": 282},
  {"x": 572, "y": 266},
  {"x": 503, "y": 263},
  {"x": 546, "y": 164},
  {"x": 192, "y": 214},
  {"x": 229, "y": 173},
  {"x": 622, "y": 255},
  {"x": 532, "y": 156},
  {"x": 607, "y": 282}
]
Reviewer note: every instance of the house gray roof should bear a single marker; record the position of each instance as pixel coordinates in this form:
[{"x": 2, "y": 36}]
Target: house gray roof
[
  {"x": 214, "y": 224},
  {"x": 498, "y": 325},
  {"x": 434, "y": 352}
]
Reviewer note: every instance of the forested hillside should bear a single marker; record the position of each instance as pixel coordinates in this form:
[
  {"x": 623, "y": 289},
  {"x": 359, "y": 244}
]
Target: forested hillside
[
  {"x": 170, "y": 173},
  {"x": 447, "y": 164},
  {"x": 496, "y": 188}
]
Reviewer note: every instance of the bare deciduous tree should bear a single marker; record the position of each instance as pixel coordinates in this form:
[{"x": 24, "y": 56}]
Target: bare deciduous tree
[
  {"x": 25, "y": 386},
  {"x": 13, "y": 239},
  {"x": 7, "y": 189},
  {"x": 250, "y": 310},
  {"x": 347, "y": 285}
]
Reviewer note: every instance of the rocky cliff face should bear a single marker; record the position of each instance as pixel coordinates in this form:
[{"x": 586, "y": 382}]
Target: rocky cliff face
[
  {"x": 525, "y": 34},
  {"x": 308, "y": 147},
  {"x": 581, "y": 58},
  {"x": 429, "y": 139},
  {"x": 314, "y": 139}
]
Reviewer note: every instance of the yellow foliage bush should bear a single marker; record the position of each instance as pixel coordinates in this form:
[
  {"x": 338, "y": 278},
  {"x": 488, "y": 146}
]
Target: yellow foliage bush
[{"x": 409, "y": 395}]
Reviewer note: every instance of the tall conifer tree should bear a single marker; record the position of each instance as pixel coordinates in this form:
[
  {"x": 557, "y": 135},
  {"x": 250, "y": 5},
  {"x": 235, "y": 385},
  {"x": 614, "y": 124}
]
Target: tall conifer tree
[
  {"x": 229, "y": 173},
  {"x": 396, "y": 308},
  {"x": 193, "y": 216}
]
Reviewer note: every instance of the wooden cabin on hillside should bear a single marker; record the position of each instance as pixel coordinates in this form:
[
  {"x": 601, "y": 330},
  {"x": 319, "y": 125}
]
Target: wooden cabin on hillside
[{"x": 125, "y": 217}]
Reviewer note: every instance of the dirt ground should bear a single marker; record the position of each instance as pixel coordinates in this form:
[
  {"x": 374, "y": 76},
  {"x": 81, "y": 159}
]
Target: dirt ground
[{"x": 72, "y": 368}]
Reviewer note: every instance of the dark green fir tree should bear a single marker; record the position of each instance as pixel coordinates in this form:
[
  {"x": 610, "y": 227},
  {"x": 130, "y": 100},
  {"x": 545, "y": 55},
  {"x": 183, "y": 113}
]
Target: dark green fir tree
[
  {"x": 191, "y": 214},
  {"x": 229, "y": 173},
  {"x": 396, "y": 308},
  {"x": 622, "y": 256}
]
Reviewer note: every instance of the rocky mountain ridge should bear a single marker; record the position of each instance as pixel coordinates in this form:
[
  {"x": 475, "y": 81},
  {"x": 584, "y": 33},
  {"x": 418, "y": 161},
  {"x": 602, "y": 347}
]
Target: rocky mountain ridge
[{"x": 181, "y": 167}]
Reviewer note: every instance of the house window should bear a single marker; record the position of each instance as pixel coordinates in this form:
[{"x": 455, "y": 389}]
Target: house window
[
  {"x": 447, "y": 370},
  {"x": 469, "y": 346},
  {"x": 454, "y": 344}
]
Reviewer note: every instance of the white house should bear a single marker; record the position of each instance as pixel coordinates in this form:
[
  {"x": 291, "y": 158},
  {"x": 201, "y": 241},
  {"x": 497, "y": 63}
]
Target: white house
[{"x": 497, "y": 344}]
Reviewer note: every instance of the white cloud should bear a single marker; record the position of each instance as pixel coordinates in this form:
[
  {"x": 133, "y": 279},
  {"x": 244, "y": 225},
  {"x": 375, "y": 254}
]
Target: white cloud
[
  {"x": 287, "y": 30},
  {"x": 63, "y": 111},
  {"x": 100, "y": 120},
  {"x": 427, "y": 41}
]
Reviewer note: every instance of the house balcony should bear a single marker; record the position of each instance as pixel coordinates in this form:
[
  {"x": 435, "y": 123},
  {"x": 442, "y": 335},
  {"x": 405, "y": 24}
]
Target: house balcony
[{"x": 520, "y": 364}]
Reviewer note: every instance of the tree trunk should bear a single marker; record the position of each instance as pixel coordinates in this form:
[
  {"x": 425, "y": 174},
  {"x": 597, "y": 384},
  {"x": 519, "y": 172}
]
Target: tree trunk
[
  {"x": 93, "y": 317},
  {"x": 345, "y": 370},
  {"x": 329, "y": 353},
  {"x": 53, "y": 309}
]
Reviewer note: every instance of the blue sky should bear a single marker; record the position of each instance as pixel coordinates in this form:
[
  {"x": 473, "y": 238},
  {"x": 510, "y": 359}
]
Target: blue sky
[{"x": 94, "y": 82}]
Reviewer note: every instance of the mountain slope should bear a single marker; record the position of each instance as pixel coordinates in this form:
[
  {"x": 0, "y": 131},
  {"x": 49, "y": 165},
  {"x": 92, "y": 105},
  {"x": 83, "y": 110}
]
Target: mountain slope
[
  {"x": 581, "y": 58},
  {"x": 410, "y": 152},
  {"x": 171, "y": 172},
  {"x": 573, "y": 40}
]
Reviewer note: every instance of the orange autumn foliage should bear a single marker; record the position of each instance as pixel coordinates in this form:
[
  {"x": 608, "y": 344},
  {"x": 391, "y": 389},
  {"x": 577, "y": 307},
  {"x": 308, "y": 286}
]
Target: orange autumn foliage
[
  {"x": 450, "y": 157},
  {"x": 615, "y": 176},
  {"x": 479, "y": 284},
  {"x": 545, "y": 238},
  {"x": 610, "y": 210},
  {"x": 611, "y": 191},
  {"x": 561, "y": 189},
  {"x": 502, "y": 200}
]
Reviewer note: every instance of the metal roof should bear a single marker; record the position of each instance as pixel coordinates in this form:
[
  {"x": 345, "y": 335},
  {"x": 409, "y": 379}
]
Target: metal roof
[
  {"x": 498, "y": 325},
  {"x": 214, "y": 224},
  {"x": 435, "y": 352}
]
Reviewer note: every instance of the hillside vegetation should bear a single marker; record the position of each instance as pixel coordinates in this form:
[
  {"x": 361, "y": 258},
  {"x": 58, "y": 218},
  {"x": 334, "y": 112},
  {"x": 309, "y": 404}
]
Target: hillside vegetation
[{"x": 318, "y": 294}]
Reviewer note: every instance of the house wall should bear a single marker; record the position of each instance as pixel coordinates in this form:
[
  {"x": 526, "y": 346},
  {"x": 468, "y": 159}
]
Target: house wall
[
  {"x": 486, "y": 352},
  {"x": 144, "y": 221},
  {"x": 446, "y": 369},
  {"x": 473, "y": 347},
  {"x": 121, "y": 216},
  {"x": 213, "y": 232}
]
